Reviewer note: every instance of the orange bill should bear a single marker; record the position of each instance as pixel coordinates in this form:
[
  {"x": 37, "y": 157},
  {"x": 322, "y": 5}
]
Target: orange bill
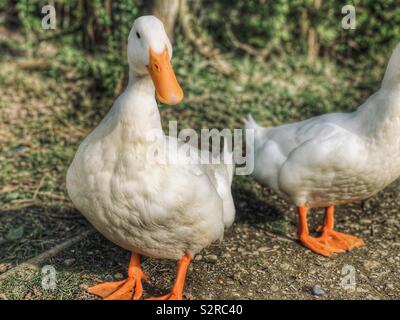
[{"x": 167, "y": 87}]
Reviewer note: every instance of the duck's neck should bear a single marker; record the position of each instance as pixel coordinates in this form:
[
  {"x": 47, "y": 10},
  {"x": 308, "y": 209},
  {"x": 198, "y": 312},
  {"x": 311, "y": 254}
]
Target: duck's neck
[
  {"x": 137, "y": 109},
  {"x": 391, "y": 80},
  {"x": 380, "y": 115}
]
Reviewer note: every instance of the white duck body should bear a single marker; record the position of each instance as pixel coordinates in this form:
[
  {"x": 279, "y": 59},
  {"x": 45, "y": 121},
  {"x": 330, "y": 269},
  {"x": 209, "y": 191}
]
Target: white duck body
[
  {"x": 334, "y": 158},
  {"x": 145, "y": 205}
]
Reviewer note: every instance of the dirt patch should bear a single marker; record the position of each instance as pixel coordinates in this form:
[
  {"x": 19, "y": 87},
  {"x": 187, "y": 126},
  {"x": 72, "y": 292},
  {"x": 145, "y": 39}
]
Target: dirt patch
[{"x": 258, "y": 259}]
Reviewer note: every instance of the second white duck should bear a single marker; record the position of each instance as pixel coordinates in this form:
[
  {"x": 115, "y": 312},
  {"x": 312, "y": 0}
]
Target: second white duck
[{"x": 333, "y": 159}]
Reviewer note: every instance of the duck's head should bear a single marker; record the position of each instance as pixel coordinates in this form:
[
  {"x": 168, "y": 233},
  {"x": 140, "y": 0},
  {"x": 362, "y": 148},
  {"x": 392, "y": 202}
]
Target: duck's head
[{"x": 150, "y": 52}]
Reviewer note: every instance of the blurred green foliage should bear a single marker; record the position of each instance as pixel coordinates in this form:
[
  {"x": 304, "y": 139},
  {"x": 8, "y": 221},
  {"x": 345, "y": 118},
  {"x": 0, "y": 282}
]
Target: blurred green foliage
[
  {"x": 93, "y": 33},
  {"x": 94, "y": 24},
  {"x": 280, "y": 24},
  {"x": 286, "y": 24}
]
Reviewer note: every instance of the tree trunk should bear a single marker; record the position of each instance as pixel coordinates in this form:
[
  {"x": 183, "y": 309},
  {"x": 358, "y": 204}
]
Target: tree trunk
[
  {"x": 166, "y": 11},
  {"x": 313, "y": 41}
]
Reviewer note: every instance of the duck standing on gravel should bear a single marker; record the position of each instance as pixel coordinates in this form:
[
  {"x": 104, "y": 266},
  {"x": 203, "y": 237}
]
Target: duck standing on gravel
[
  {"x": 333, "y": 159},
  {"x": 150, "y": 207}
]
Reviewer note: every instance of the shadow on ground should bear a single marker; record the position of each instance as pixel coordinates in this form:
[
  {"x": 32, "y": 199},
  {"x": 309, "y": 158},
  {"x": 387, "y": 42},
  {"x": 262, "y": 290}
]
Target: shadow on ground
[{"x": 257, "y": 259}]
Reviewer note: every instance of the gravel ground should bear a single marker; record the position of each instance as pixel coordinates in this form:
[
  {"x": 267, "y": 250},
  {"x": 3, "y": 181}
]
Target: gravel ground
[{"x": 259, "y": 258}]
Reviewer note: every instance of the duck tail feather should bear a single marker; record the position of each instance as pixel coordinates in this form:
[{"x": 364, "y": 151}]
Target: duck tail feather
[{"x": 250, "y": 123}]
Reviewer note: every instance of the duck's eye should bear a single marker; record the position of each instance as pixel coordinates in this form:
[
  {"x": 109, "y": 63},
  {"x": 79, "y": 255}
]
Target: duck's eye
[{"x": 138, "y": 35}]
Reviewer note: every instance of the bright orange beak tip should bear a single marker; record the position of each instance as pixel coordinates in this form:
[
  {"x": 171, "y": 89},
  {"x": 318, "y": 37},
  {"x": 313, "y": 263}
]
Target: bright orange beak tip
[
  {"x": 167, "y": 87},
  {"x": 172, "y": 99}
]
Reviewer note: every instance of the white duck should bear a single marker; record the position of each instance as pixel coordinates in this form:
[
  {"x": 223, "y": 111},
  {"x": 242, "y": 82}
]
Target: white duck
[
  {"x": 155, "y": 208},
  {"x": 333, "y": 159}
]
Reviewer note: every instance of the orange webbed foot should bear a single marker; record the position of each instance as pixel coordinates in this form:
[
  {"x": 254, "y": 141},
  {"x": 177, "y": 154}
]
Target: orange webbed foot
[
  {"x": 321, "y": 245},
  {"x": 129, "y": 289},
  {"x": 330, "y": 241},
  {"x": 345, "y": 241}
]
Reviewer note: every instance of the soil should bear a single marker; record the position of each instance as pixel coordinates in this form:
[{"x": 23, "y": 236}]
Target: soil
[{"x": 259, "y": 257}]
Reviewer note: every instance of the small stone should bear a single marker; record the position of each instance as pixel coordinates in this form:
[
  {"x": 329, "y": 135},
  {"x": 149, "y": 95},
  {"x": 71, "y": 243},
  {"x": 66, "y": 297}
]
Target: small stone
[
  {"x": 109, "y": 277},
  {"x": 188, "y": 296},
  {"x": 371, "y": 265},
  {"x": 285, "y": 266},
  {"x": 274, "y": 288},
  {"x": 226, "y": 255},
  {"x": 237, "y": 277},
  {"x": 19, "y": 149},
  {"x": 199, "y": 257},
  {"x": 391, "y": 222},
  {"x": 118, "y": 276},
  {"x": 365, "y": 221},
  {"x": 389, "y": 286},
  {"x": 212, "y": 258},
  {"x": 366, "y": 205},
  {"x": 317, "y": 290},
  {"x": 69, "y": 262},
  {"x": 4, "y": 267},
  {"x": 361, "y": 290}
]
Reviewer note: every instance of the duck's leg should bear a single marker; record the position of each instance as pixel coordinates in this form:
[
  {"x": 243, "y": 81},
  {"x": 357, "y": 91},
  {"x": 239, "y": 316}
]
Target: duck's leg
[
  {"x": 176, "y": 292},
  {"x": 128, "y": 289},
  {"x": 318, "y": 245},
  {"x": 339, "y": 239},
  {"x": 330, "y": 241}
]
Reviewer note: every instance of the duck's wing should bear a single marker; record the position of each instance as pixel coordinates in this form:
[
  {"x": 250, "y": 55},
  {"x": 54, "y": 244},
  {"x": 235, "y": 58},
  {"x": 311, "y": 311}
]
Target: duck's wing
[
  {"x": 276, "y": 146},
  {"x": 329, "y": 156},
  {"x": 219, "y": 172},
  {"x": 220, "y": 175}
]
